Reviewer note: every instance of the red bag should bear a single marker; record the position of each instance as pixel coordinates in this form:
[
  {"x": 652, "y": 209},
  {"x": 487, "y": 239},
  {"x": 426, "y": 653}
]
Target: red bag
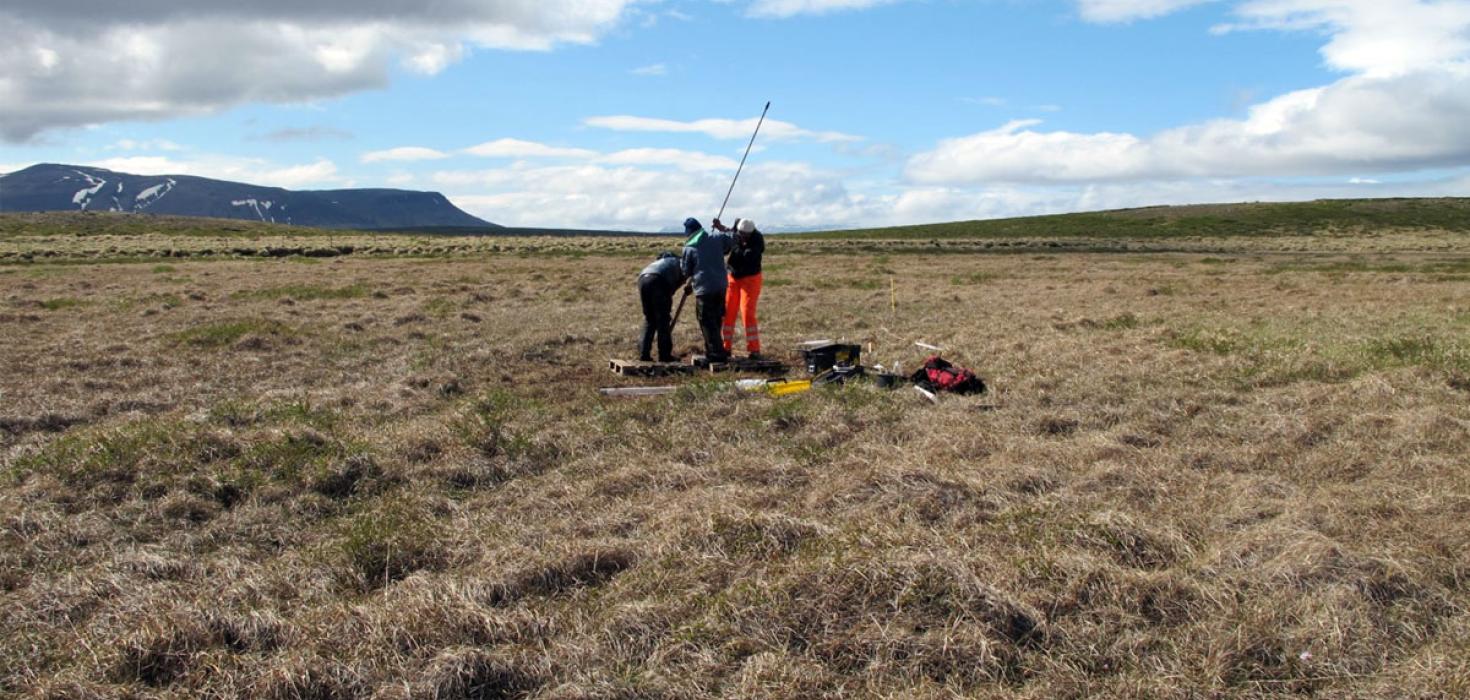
[{"x": 938, "y": 374}]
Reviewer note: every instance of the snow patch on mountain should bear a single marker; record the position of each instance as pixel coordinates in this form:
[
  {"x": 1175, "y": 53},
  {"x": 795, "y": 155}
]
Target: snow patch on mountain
[
  {"x": 150, "y": 196},
  {"x": 83, "y": 197},
  {"x": 262, "y": 208}
]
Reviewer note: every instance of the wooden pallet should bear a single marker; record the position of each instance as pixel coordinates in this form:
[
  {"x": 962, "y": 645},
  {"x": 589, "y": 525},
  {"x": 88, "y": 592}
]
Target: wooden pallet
[
  {"x": 740, "y": 364},
  {"x": 633, "y": 368}
]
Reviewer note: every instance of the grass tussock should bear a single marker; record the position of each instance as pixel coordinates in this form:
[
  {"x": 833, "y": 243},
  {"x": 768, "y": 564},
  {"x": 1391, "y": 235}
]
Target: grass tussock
[
  {"x": 60, "y": 303},
  {"x": 246, "y": 334},
  {"x": 390, "y": 541},
  {"x": 305, "y": 292},
  {"x": 476, "y": 673}
]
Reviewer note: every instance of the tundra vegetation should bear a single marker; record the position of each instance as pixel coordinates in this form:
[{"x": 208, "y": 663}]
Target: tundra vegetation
[{"x": 1227, "y": 460}]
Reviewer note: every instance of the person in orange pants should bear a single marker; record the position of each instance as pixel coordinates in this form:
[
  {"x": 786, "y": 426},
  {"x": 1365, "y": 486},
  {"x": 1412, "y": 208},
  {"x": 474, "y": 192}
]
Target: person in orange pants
[{"x": 744, "y": 265}]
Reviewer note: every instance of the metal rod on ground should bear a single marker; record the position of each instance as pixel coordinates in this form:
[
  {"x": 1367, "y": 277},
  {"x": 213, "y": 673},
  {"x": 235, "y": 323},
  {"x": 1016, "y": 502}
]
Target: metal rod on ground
[
  {"x": 638, "y": 391},
  {"x": 742, "y": 159}
]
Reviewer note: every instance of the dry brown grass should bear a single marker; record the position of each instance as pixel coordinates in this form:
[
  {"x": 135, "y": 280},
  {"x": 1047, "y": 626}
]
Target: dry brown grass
[{"x": 1234, "y": 475}]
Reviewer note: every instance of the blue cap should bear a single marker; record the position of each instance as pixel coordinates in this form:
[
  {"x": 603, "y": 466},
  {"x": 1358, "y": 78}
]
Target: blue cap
[{"x": 691, "y": 225}]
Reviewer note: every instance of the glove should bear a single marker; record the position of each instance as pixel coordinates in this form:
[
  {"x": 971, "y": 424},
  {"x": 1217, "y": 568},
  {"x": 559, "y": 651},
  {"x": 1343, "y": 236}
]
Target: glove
[{"x": 719, "y": 226}]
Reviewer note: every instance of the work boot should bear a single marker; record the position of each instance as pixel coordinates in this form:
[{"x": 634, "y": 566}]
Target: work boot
[
  {"x": 645, "y": 358},
  {"x": 669, "y": 358},
  {"x": 757, "y": 356}
]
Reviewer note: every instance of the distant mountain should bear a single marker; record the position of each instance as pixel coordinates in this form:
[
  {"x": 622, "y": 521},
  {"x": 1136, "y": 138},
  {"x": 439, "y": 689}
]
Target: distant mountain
[{"x": 50, "y": 187}]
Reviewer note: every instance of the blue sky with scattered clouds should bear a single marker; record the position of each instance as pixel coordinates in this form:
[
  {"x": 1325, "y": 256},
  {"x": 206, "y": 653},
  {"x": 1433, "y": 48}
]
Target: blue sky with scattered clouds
[{"x": 634, "y": 113}]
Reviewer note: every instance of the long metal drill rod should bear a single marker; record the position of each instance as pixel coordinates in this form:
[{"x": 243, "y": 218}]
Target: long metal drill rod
[{"x": 742, "y": 159}]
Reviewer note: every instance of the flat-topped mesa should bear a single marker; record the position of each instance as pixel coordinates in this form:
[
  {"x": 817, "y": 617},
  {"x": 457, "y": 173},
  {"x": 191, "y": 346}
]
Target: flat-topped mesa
[{"x": 55, "y": 187}]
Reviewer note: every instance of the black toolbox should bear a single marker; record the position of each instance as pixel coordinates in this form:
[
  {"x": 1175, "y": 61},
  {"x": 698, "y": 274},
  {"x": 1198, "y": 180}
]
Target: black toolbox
[{"x": 820, "y": 358}]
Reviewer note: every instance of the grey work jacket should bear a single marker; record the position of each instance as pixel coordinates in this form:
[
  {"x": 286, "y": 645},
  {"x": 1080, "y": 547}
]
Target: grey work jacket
[{"x": 704, "y": 261}]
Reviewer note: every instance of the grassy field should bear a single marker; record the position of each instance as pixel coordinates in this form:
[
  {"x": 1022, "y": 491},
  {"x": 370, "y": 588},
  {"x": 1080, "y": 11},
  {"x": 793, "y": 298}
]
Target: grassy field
[{"x": 1209, "y": 466}]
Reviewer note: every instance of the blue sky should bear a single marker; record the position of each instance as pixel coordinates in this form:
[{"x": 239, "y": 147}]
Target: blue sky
[{"x": 633, "y": 114}]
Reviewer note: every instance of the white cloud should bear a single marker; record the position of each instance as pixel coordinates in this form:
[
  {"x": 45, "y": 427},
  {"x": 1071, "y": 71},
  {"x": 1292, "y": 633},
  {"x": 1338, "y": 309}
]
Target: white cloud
[
  {"x": 719, "y": 128},
  {"x": 1405, "y": 107},
  {"x": 148, "y": 145},
  {"x": 158, "y": 60},
  {"x": 153, "y": 165},
  {"x": 255, "y": 171},
  {"x": 1129, "y": 10},
  {"x": 297, "y": 176},
  {"x": 433, "y": 57},
  {"x": 789, "y": 8},
  {"x": 1371, "y": 37},
  {"x": 681, "y": 159},
  {"x": 1378, "y": 38},
  {"x": 306, "y": 134},
  {"x": 592, "y": 195},
  {"x": 46, "y": 59},
  {"x": 684, "y": 160},
  {"x": 516, "y": 148},
  {"x": 1015, "y": 153},
  {"x": 405, "y": 153},
  {"x": 653, "y": 70}
]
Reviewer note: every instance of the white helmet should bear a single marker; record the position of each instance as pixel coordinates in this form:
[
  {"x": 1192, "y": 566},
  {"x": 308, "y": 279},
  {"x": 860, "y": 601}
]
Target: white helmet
[{"x": 745, "y": 226}]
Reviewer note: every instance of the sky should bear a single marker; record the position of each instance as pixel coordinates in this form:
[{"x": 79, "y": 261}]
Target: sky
[{"x": 633, "y": 114}]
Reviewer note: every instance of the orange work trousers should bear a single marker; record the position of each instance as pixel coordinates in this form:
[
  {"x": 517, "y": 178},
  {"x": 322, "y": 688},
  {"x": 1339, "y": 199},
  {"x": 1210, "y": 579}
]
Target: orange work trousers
[{"x": 740, "y": 299}]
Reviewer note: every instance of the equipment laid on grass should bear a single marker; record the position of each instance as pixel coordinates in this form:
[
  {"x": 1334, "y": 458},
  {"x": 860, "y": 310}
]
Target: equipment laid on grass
[
  {"x": 787, "y": 387},
  {"x": 775, "y": 387},
  {"x": 740, "y": 364},
  {"x": 632, "y": 368},
  {"x": 648, "y": 369},
  {"x": 938, "y": 374},
  {"x": 887, "y": 380},
  {"x": 840, "y": 375},
  {"x": 829, "y": 363},
  {"x": 638, "y": 390},
  {"x": 820, "y": 358}
]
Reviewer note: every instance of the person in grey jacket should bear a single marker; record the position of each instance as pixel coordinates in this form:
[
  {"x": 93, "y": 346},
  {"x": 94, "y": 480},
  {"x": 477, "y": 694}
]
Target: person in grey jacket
[
  {"x": 704, "y": 264},
  {"x": 656, "y": 286}
]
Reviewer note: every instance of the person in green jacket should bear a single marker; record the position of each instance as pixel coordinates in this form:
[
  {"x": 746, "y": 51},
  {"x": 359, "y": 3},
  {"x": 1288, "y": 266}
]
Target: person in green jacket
[{"x": 703, "y": 264}]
